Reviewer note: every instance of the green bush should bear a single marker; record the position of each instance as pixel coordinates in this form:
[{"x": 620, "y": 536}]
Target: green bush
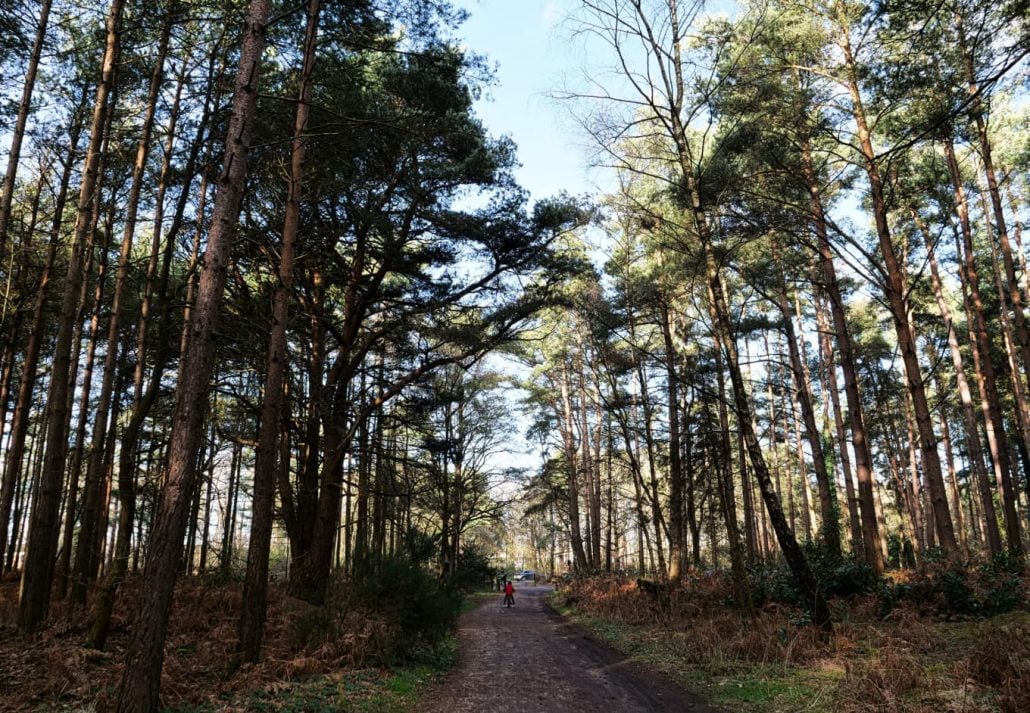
[
  {"x": 847, "y": 576},
  {"x": 473, "y": 571},
  {"x": 418, "y": 609},
  {"x": 960, "y": 589}
]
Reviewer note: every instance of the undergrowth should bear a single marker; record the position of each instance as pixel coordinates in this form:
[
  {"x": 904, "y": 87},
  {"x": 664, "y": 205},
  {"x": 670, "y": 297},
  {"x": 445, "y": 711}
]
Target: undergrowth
[
  {"x": 932, "y": 639},
  {"x": 373, "y": 646}
]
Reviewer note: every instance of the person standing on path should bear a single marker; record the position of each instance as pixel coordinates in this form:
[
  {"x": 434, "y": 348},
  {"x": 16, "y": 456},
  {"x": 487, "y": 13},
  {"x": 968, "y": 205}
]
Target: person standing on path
[{"x": 509, "y": 594}]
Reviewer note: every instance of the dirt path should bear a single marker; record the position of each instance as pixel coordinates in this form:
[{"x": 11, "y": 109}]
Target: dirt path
[{"x": 529, "y": 656}]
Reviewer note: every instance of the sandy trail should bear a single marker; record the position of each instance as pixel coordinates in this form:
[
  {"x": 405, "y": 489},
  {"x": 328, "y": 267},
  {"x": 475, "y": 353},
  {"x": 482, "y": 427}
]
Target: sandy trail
[{"x": 529, "y": 656}]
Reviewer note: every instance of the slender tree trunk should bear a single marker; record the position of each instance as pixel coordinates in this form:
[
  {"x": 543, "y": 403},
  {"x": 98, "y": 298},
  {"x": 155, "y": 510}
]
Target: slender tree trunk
[
  {"x": 85, "y": 559},
  {"x": 30, "y": 357},
  {"x": 997, "y": 439},
  {"x": 677, "y": 554},
  {"x": 37, "y": 576},
  {"x": 144, "y": 657},
  {"x": 255, "y": 587},
  {"x": 20, "y": 123},
  {"x": 788, "y": 544},
  {"x": 973, "y": 443},
  {"x": 898, "y": 302},
  {"x": 568, "y": 434},
  {"x": 827, "y": 500},
  {"x": 859, "y": 436}
]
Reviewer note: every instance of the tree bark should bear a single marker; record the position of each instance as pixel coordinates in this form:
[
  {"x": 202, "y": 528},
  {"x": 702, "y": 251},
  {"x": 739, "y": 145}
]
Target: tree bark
[
  {"x": 827, "y": 500},
  {"x": 972, "y": 431},
  {"x": 898, "y": 301},
  {"x": 255, "y": 586},
  {"x": 144, "y": 657}
]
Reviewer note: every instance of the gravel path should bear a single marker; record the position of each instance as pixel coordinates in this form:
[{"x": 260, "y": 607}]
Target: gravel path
[{"x": 529, "y": 656}]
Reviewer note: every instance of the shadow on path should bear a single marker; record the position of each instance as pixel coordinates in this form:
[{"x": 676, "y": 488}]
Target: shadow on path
[{"x": 529, "y": 655}]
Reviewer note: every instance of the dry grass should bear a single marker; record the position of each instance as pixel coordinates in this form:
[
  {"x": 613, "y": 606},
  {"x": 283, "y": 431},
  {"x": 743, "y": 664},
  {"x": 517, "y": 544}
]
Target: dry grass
[
  {"x": 909, "y": 661},
  {"x": 55, "y": 670}
]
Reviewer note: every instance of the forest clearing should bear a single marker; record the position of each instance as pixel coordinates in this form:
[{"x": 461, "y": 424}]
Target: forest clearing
[{"x": 304, "y": 348}]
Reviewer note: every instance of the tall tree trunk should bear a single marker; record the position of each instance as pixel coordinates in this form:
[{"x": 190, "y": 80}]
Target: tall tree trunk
[
  {"x": 144, "y": 657},
  {"x": 568, "y": 433},
  {"x": 792, "y": 552},
  {"x": 255, "y": 585},
  {"x": 827, "y": 500},
  {"x": 997, "y": 439},
  {"x": 20, "y": 123},
  {"x": 30, "y": 357},
  {"x": 845, "y": 348},
  {"x": 677, "y": 552},
  {"x": 898, "y": 303},
  {"x": 37, "y": 576},
  {"x": 973, "y": 443},
  {"x": 85, "y": 559}
]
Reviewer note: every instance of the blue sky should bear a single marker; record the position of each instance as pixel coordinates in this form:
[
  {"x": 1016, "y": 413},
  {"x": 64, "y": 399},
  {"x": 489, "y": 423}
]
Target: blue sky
[{"x": 523, "y": 39}]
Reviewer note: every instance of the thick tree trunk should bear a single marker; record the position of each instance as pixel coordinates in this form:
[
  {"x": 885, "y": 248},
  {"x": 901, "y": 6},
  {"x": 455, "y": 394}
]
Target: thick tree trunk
[{"x": 144, "y": 656}]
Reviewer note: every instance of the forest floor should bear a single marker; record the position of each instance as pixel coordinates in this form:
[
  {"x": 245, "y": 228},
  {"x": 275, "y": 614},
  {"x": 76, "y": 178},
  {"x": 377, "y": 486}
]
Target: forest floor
[
  {"x": 529, "y": 657},
  {"x": 905, "y": 662},
  {"x": 312, "y": 661}
]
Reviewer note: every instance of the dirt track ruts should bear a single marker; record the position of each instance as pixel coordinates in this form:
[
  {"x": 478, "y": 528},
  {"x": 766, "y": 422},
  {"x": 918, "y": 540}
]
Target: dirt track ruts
[{"x": 528, "y": 656}]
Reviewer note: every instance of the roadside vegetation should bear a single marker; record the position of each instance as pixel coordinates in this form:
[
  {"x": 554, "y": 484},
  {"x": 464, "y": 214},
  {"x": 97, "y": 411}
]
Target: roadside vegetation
[
  {"x": 375, "y": 645},
  {"x": 938, "y": 638}
]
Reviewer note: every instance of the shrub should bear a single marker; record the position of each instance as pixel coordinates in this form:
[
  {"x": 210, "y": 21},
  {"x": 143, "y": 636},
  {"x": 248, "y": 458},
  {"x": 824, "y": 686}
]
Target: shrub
[
  {"x": 473, "y": 570},
  {"x": 958, "y": 589},
  {"x": 415, "y": 606}
]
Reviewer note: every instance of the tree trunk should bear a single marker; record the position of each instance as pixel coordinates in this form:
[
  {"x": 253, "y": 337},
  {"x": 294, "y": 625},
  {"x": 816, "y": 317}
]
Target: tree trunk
[
  {"x": 144, "y": 657},
  {"x": 18, "y": 134},
  {"x": 827, "y": 500},
  {"x": 997, "y": 439},
  {"x": 973, "y": 443},
  {"x": 37, "y": 576},
  {"x": 898, "y": 303},
  {"x": 677, "y": 553},
  {"x": 30, "y": 357},
  {"x": 255, "y": 586},
  {"x": 859, "y": 437}
]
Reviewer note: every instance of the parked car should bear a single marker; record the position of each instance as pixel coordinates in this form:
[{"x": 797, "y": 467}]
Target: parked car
[{"x": 525, "y": 575}]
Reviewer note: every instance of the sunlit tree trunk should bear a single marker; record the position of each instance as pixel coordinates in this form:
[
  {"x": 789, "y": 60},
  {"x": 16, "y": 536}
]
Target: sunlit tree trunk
[
  {"x": 20, "y": 123},
  {"x": 972, "y": 432},
  {"x": 997, "y": 438},
  {"x": 859, "y": 436},
  {"x": 896, "y": 297}
]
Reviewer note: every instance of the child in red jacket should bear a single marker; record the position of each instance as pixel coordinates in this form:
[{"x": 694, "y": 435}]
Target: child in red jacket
[{"x": 509, "y": 595}]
